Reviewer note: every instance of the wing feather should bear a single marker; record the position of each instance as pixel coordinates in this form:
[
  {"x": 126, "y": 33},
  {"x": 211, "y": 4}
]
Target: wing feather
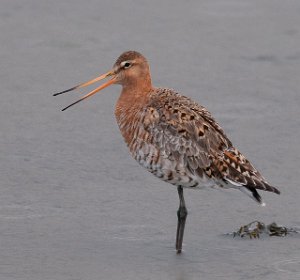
[{"x": 184, "y": 130}]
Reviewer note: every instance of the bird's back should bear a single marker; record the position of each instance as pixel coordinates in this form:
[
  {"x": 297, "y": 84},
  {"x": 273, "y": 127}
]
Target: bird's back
[{"x": 179, "y": 141}]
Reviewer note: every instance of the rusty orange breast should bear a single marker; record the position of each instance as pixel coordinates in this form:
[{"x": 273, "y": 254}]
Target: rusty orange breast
[{"x": 129, "y": 114}]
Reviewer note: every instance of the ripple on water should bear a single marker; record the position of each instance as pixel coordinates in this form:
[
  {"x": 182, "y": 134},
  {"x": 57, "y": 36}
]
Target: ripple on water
[
  {"x": 17, "y": 212},
  {"x": 288, "y": 266}
]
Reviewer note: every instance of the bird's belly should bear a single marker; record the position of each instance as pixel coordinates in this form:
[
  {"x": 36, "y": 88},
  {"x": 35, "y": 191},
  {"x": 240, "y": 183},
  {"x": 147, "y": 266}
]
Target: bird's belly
[{"x": 170, "y": 170}]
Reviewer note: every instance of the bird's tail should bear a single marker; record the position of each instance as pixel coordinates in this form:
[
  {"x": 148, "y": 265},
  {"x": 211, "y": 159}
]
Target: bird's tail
[{"x": 252, "y": 193}]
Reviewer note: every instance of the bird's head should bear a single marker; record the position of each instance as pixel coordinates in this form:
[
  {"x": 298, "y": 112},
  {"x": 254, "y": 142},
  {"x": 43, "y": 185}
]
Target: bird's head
[{"x": 131, "y": 70}]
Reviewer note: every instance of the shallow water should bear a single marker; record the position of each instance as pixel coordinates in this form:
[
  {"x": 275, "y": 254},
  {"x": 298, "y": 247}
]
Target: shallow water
[{"x": 74, "y": 205}]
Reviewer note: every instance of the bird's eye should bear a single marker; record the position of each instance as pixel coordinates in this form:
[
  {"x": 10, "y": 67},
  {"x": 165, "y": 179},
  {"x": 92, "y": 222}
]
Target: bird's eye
[{"x": 126, "y": 64}]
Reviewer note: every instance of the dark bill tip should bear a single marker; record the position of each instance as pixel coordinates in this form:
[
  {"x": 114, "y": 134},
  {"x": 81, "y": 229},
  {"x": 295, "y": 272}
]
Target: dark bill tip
[
  {"x": 72, "y": 104},
  {"x": 67, "y": 90}
]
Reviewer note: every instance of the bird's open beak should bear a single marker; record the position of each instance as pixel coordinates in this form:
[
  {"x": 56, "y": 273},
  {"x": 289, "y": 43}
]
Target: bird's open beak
[{"x": 108, "y": 83}]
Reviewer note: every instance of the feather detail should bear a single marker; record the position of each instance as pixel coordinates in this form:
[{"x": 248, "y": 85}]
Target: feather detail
[{"x": 180, "y": 142}]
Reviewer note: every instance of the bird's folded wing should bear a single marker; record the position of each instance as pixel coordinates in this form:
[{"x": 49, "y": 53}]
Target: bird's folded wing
[{"x": 184, "y": 131}]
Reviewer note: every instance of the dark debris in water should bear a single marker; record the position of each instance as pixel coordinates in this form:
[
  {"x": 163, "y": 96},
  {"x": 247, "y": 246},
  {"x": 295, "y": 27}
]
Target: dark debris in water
[{"x": 256, "y": 229}]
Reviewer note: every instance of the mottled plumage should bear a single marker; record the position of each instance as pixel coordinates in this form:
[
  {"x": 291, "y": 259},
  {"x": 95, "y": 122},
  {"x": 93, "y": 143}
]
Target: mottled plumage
[
  {"x": 175, "y": 138},
  {"x": 178, "y": 140}
]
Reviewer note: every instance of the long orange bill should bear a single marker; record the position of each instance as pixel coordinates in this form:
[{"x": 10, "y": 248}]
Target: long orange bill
[{"x": 108, "y": 83}]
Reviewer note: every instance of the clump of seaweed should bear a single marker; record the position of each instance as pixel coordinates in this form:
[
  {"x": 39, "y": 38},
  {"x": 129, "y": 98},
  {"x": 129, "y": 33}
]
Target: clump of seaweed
[{"x": 256, "y": 228}]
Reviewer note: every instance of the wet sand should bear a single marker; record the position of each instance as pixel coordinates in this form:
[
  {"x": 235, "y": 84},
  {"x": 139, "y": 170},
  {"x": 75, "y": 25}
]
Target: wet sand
[{"x": 74, "y": 205}]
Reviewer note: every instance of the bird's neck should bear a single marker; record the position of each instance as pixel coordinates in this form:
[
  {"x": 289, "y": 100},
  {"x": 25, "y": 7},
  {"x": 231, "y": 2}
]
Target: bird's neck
[
  {"x": 129, "y": 109},
  {"x": 140, "y": 85},
  {"x": 135, "y": 92}
]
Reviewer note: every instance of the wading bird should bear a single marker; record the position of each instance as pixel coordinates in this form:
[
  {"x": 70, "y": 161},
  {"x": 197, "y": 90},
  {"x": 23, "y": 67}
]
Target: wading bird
[{"x": 173, "y": 137}]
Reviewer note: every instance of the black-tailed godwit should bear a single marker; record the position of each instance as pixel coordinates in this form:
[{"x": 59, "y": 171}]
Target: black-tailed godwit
[{"x": 175, "y": 138}]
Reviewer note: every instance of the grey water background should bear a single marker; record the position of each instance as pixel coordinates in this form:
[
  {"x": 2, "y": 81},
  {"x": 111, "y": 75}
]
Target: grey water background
[{"x": 74, "y": 205}]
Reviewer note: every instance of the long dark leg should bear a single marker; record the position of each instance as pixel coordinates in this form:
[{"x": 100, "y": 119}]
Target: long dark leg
[{"x": 181, "y": 214}]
